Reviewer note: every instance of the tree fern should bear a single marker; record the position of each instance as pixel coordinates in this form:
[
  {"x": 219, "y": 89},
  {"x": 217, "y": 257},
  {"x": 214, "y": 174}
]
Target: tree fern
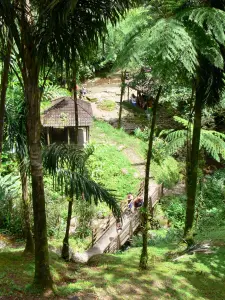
[
  {"x": 211, "y": 141},
  {"x": 211, "y": 19}
]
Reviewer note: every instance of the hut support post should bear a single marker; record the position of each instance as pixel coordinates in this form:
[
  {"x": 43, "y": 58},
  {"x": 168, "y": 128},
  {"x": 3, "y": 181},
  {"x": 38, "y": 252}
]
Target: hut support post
[
  {"x": 68, "y": 135},
  {"x": 48, "y": 136}
]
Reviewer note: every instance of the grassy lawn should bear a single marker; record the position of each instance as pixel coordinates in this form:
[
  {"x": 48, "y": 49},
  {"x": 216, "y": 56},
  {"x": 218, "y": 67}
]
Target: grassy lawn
[
  {"x": 116, "y": 276},
  {"x": 109, "y": 161},
  {"x": 103, "y": 133}
]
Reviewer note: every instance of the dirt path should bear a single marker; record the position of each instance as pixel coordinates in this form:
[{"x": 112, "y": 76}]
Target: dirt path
[
  {"x": 136, "y": 161},
  {"x": 109, "y": 89}
]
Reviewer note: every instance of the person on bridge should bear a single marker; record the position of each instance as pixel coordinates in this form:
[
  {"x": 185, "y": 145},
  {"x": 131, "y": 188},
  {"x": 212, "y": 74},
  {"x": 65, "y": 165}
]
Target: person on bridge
[
  {"x": 138, "y": 202},
  {"x": 119, "y": 226},
  {"x": 130, "y": 199}
]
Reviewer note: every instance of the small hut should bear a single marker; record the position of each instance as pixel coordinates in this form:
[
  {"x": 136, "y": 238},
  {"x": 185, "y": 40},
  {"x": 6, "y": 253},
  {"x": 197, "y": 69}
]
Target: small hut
[{"x": 59, "y": 121}]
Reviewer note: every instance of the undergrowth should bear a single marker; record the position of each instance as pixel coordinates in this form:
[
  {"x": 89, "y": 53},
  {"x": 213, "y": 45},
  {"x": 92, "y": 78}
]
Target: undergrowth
[{"x": 103, "y": 133}]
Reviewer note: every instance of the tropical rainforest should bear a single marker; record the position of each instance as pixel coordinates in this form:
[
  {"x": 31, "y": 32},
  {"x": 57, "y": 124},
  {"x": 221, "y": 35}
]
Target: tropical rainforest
[{"x": 112, "y": 149}]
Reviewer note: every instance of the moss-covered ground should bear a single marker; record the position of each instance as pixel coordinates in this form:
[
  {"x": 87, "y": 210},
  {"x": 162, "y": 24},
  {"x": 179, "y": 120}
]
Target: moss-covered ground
[{"x": 116, "y": 276}]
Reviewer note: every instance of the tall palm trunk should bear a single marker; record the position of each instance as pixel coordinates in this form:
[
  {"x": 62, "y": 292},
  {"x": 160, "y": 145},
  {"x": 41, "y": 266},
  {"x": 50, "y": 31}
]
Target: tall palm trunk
[
  {"x": 30, "y": 74},
  {"x": 29, "y": 248},
  {"x": 75, "y": 107},
  {"x": 144, "y": 212},
  {"x": 4, "y": 85},
  {"x": 123, "y": 78},
  {"x": 42, "y": 271},
  {"x": 192, "y": 167},
  {"x": 65, "y": 248}
]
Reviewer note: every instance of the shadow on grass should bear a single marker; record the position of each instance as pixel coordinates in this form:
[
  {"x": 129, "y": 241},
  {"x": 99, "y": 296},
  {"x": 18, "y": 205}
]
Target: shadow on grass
[{"x": 198, "y": 276}]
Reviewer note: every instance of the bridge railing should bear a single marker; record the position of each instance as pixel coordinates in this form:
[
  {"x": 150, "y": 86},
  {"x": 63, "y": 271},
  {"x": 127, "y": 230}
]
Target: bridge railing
[
  {"x": 107, "y": 223},
  {"x": 129, "y": 229}
]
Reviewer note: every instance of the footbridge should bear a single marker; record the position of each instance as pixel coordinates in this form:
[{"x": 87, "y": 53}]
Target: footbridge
[{"x": 106, "y": 239}]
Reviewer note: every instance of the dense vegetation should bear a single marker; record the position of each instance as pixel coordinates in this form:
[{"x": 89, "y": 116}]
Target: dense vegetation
[{"x": 52, "y": 197}]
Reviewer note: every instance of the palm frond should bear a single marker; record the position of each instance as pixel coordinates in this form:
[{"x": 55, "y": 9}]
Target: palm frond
[
  {"x": 75, "y": 183},
  {"x": 59, "y": 156}
]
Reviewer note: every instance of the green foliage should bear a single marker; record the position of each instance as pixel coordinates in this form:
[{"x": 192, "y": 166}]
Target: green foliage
[
  {"x": 158, "y": 237},
  {"x": 174, "y": 208},
  {"x": 166, "y": 172},
  {"x": 56, "y": 209},
  {"x": 142, "y": 134},
  {"x": 174, "y": 41},
  {"x": 211, "y": 198},
  {"x": 108, "y": 162},
  {"x": 85, "y": 214},
  {"x": 10, "y": 209},
  {"x": 159, "y": 151},
  {"x": 107, "y": 105},
  {"x": 9, "y": 163},
  {"x": 52, "y": 92},
  {"x": 103, "y": 133},
  {"x": 116, "y": 38},
  {"x": 210, "y": 208},
  {"x": 213, "y": 142},
  {"x": 68, "y": 166},
  {"x": 9, "y": 187}
]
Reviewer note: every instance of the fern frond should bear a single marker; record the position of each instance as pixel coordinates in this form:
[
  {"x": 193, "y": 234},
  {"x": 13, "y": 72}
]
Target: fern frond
[
  {"x": 167, "y": 43},
  {"x": 165, "y": 132},
  {"x": 175, "y": 144},
  {"x": 214, "y": 143},
  {"x": 212, "y": 19},
  {"x": 182, "y": 121},
  {"x": 176, "y": 135}
]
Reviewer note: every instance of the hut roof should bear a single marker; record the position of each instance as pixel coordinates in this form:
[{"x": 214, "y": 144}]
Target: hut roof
[{"x": 62, "y": 113}]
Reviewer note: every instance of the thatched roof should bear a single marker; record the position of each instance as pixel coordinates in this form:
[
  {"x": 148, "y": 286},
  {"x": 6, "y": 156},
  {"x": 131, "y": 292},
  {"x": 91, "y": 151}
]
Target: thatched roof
[
  {"x": 61, "y": 113},
  {"x": 142, "y": 82}
]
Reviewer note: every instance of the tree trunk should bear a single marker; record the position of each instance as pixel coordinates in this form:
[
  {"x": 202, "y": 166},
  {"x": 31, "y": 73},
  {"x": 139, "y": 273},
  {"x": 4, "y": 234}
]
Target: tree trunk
[
  {"x": 29, "y": 248},
  {"x": 66, "y": 247},
  {"x": 42, "y": 276},
  {"x": 30, "y": 72},
  {"x": 192, "y": 173},
  {"x": 4, "y": 85},
  {"x": 145, "y": 209},
  {"x": 75, "y": 107},
  {"x": 123, "y": 78}
]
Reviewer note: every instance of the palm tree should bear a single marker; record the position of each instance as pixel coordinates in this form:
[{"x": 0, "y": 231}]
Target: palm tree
[
  {"x": 17, "y": 141},
  {"x": 4, "y": 83},
  {"x": 67, "y": 165},
  {"x": 45, "y": 32},
  {"x": 145, "y": 210}
]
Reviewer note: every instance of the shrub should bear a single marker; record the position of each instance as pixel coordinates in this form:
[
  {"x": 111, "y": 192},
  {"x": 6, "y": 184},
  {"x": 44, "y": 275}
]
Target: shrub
[
  {"x": 167, "y": 172},
  {"x": 107, "y": 105},
  {"x": 174, "y": 208},
  {"x": 210, "y": 202},
  {"x": 142, "y": 134},
  {"x": 11, "y": 219}
]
